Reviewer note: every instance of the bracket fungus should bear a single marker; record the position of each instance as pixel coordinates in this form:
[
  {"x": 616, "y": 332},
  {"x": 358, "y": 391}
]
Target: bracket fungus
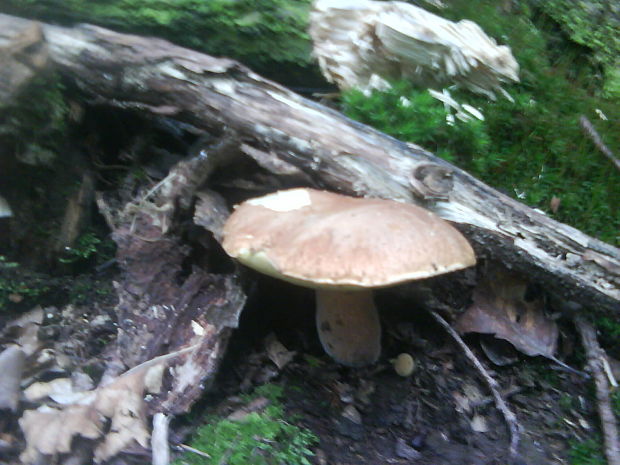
[{"x": 343, "y": 247}]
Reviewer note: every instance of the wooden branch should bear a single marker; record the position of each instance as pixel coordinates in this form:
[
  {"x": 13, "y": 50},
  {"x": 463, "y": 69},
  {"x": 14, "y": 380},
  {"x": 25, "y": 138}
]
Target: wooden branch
[
  {"x": 514, "y": 428},
  {"x": 592, "y": 133},
  {"x": 334, "y": 152},
  {"x": 596, "y": 360}
]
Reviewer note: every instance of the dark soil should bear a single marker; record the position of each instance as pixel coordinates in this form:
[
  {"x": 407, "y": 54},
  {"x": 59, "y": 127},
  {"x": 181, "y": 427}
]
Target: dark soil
[{"x": 441, "y": 415}]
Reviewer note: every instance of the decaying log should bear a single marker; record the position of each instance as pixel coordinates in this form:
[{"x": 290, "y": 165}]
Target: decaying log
[
  {"x": 160, "y": 307},
  {"x": 336, "y": 153},
  {"x": 22, "y": 55}
]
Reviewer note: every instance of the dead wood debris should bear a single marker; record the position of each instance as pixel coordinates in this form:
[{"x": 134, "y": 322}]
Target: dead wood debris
[
  {"x": 159, "y": 439},
  {"x": 596, "y": 366},
  {"x": 589, "y": 130},
  {"x": 50, "y": 429},
  {"x": 513, "y": 425},
  {"x": 187, "y": 448}
]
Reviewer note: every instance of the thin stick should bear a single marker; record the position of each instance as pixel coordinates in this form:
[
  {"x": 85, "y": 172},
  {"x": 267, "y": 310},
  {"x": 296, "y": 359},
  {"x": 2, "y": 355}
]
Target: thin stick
[
  {"x": 159, "y": 440},
  {"x": 587, "y": 127},
  {"x": 509, "y": 416},
  {"x": 194, "y": 451},
  {"x": 595, "y": 357}
]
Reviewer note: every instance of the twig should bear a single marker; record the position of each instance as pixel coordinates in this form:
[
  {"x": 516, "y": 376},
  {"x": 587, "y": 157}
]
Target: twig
[
  {"x": 194, "y": 451},
  {"x": 159, "y": 440},
  {"x": 509, "y": 416},
  {"x": 595, "y": 357},
  {"x": 587, "y": 127}
]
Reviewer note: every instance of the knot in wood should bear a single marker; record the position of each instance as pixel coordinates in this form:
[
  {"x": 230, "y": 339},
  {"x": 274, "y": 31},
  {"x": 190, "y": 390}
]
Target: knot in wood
[{"x": 431, "y": 181}]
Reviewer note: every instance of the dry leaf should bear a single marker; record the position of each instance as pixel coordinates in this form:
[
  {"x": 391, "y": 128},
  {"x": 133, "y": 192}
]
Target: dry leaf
[
  {"x": 40, "y": 390},
  {"x": 500, "y": 308},
  {"x": 122, "y": 402},
  {"x": 24, "y": 331},
  {"x": 479, "y": 424},
  {"x": 49, "y": 431},
  {"x": 470, "y": 396},
  {"x": 501, "y": 353},
  {"x": 277, "y": 353}
]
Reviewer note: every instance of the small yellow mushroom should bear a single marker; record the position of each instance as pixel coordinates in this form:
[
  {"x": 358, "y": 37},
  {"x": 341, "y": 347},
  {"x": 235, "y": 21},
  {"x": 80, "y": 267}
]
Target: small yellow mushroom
[{"x": 404, "y": 365}]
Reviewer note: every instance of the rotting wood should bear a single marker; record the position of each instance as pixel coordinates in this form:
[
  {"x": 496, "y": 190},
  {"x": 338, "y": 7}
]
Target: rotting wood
[
  {"x": 77, "y": 213},
  {"x": 210, "y": 93},
  {"x": 595, "y": 365},
  {"x": 22, "y": 55},
  {"x": 160, "y": 307}
]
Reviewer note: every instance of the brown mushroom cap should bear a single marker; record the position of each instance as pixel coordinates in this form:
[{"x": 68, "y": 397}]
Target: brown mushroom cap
[{"x": 320, "y": 239}]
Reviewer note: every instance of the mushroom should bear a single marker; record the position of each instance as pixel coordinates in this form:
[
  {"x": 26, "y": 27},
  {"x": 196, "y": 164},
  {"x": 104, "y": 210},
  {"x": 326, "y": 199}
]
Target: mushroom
[
  {"x": 343, "y": 247},
  {"x": 404, "y": 365}
]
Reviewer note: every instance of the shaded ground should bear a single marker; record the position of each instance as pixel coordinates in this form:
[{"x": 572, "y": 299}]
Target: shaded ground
[{"x": 441, "y": 414}]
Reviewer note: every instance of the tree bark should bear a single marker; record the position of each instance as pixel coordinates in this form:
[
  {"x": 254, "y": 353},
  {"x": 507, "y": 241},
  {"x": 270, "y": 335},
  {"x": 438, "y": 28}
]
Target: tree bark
[{"x": 285, "y": 132}]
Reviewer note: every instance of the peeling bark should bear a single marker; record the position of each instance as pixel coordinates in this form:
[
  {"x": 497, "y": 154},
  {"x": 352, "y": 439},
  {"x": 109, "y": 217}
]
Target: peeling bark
[
  {"x": 163, "y": 307},
  {"x": 22, "y": 54},
  {"x": 334, "y": 152}
]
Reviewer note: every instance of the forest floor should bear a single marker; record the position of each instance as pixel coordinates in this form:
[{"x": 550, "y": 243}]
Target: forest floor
[{"x": 441, "y": 415}]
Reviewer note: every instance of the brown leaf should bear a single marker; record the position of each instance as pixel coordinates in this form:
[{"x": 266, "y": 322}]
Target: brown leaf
[
  {"x": 500, "y": 308},
  {"x": 554, "y": 204},
  {"x": 277, "y": 353},
  {"x": 24, "y": 331},
  {"x": 50, "y": 431},
  {"x": 123, "y": 403}
]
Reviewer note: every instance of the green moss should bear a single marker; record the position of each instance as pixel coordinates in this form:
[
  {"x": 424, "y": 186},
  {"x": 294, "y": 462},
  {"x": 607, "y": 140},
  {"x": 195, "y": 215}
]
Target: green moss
[
  {"x": 87, "y": 246},
  {"x": 532, "y": 149},
  {"x": 261, "y": 438},
  {"x": 588, "y": 452},
  {"x": 19, "y": 284},
  {"x": 593, "y": 24},
  {"x": 260, "y": 33}
]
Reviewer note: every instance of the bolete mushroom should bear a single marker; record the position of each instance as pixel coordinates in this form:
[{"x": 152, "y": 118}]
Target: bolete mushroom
[{"x": 343, "y": 247}]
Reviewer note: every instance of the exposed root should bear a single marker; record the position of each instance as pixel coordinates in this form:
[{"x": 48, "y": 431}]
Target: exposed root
[
  {"x": 596, "y": 366},
  {"x": 511, "y": 419}
]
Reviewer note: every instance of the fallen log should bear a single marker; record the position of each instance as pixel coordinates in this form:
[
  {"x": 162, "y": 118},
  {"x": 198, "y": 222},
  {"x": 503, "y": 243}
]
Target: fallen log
[{"x": 285, "y": 132}]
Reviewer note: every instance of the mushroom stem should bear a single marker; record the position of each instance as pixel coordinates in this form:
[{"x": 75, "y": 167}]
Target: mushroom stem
[{"x": 348, "y": 326}]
